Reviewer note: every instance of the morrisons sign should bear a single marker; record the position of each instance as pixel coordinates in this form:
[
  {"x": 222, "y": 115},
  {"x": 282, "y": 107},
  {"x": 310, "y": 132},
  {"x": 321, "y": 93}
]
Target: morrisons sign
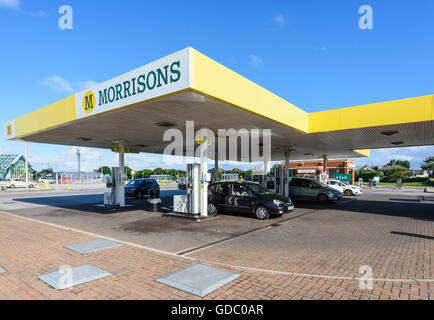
[{"x": 159, "y": 78}]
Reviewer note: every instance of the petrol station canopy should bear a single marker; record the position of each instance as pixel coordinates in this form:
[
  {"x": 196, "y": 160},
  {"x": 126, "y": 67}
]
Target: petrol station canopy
[{"x": 139, "y": 106}]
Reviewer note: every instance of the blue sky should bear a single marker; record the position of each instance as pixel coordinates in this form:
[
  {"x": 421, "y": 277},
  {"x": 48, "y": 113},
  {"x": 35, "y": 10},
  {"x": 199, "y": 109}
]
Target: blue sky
[{"x": 311, "y": 53}]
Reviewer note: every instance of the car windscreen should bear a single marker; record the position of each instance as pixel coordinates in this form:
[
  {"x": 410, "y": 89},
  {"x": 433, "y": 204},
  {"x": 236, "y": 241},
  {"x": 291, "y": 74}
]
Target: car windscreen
[
  {"x": 257, "y": 188},
  {"x": 134, "y": 183}
]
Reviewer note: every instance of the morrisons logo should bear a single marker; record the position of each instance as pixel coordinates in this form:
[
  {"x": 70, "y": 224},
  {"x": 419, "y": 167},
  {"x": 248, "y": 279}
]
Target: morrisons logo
[
  {"x": 88, "y": 102},
  {"x": 9, "y": 130},
  {"x": 145, "y": 82}
]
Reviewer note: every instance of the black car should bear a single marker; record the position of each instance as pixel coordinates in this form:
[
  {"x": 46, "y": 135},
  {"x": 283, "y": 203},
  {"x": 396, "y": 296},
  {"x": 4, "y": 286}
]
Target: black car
[
  {"x": 139, "y": 188},
  {"x": 247, "y": 197},
  {"x": 182, "y": 183}
]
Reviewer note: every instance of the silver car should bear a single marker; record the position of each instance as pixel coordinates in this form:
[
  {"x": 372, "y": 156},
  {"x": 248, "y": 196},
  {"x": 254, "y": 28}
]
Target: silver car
[{"x": 312, "y": 190}]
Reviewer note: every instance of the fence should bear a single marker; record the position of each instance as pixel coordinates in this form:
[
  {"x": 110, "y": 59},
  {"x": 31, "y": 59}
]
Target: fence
[{"x": 81, "y": 178}]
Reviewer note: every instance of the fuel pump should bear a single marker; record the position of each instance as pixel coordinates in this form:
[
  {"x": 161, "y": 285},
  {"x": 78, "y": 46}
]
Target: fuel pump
[
  {"x": 190, "y": 202},
  {"x": 114, "y": 182}
]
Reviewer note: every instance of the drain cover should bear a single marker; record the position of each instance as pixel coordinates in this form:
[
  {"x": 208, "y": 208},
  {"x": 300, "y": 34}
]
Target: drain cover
[
  {"x": 2, "y": 270},
  {"x": 199, "y": 279},
  {"x": 68, "y": 278},
  {"x": 98, "y": 245}
]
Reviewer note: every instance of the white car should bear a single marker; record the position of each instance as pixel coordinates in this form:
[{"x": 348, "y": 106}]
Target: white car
[
  {"x": 346, "y": 188},
  {"x": 18, "y": 183},
  {"x": 49, "y": 180}
]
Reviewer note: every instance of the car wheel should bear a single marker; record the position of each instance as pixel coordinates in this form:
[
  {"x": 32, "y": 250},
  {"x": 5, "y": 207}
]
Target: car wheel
[
  {"x": 212, "y": 209},
  {"x": 31, "y": 186},
  {"x": 139, "y": 195},
  {"x": 348, "y": 193},
  {"x": 12, "y": 186},
  {"x": 323, "y": 198},
  {"x": 261, "y": 213}
]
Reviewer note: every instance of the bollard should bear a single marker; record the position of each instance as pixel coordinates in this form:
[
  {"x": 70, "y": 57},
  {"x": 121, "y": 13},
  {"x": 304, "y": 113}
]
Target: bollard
[{"x": 154, "y": 202}]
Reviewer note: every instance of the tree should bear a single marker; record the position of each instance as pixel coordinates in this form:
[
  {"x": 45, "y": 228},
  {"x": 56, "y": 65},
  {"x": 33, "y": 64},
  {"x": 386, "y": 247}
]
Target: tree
[
  {"x": 366, "y": 175},
  {"x": 403, "y": 163},
  {"x": 128, "y": 172},
  {"x": 158, "y": 171},
  {"x": 396, "y": 173},
  {"x": 428, "y": 164},
  {"x": 273, "y": 169},
  {"x": 105, "y": 171},
  {"x": 146, "y": 173},
  {"x": 46, "y": 172},
  {"x": 181, "y": 173}
]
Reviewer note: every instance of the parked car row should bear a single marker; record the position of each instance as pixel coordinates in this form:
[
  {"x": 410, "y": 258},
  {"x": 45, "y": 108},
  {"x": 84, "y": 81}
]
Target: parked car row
[{"x": 252, "y": 198}]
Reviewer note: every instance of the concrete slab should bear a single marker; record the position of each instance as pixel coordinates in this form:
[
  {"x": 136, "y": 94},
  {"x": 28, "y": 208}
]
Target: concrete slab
[
  {"x": 73, "y": 277},
  {"x": 93, "y": 246},
  {"x": 199, "y": 279}
]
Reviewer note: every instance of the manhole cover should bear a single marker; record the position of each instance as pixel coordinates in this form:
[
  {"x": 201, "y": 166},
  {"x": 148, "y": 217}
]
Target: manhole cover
[
  {"x": 199, "y": 279},
  {"x": 93, "y": 246},
  {"x": 68, "y": 278}
]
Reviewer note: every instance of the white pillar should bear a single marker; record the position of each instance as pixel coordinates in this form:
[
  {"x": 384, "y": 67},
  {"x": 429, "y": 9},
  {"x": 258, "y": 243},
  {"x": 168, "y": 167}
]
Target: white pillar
[
  {"x": 286, "y": 178},
  {"x": 265, "y": 173},
  {"x": 57, "y": 173},
  {"x": 324, "y": 169},
  {"x": 216, "y": 169},
  {"x": 203, "y": 178},
  {"x": 121, "y": 188},
  {"x": 27, "y": 166}
]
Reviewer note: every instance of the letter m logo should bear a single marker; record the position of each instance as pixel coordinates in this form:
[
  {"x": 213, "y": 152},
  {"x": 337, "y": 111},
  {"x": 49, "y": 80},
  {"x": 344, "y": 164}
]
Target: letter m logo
[{"x": 88, "y": 102}]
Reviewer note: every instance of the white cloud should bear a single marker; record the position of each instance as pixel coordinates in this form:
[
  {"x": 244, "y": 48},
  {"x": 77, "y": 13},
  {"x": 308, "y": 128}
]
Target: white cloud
[
  {"x": 60, "y": 84},
  {"x": 380, "y": 157},
  {"x": 255, "y": 61},
  {"x": 16, "y": 5},
  {"x": 280, "y": 20},
  {"x": 57, "y": 83},
  {"x": 83, "y": 85}
]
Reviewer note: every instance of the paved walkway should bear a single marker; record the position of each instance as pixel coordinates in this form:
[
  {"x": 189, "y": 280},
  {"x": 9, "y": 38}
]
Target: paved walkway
[{"x": 29, "y": 249}]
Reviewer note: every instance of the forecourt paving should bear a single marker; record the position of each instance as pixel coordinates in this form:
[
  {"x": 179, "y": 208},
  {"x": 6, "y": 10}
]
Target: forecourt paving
[{"x": 314, "y": 256}]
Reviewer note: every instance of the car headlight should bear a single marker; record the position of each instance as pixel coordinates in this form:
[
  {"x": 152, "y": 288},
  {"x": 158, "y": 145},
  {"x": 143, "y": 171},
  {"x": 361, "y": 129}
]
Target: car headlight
[{"x": 277, "y": 202}]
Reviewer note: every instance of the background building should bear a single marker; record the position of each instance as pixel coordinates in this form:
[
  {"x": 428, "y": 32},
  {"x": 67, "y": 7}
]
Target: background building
[
  {"x": 314, "y": 168},
  {"x": 13, "y": 166}
]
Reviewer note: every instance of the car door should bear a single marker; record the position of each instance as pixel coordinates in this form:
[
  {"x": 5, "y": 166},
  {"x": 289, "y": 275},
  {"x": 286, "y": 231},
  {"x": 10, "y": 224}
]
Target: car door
[
  {"x": 294, "y": 189},
  {"x": 308, "y": 190},
  {"x": 222, "y": 196},
  {"x": 335, "y": 185},
  {"x": 243, "y": 198},
  {"x": 20, "y": 184}
]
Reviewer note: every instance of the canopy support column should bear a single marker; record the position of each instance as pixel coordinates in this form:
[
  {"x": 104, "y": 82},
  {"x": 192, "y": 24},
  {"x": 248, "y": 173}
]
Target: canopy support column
[
  {"x": 215, "y": 177},
  {"x": 204, "y": 178},
  {"x": 27, "y": 167},
  {"x": 265, "y": 182},
  {"x": 286, "y": 178},
  {"x": 324, "y": 169},
  {"x": 121, "y": 188}
]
